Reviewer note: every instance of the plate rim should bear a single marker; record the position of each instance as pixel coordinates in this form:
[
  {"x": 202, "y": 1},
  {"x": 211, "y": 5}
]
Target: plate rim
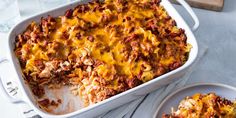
[{"x": 190, "y": 86}]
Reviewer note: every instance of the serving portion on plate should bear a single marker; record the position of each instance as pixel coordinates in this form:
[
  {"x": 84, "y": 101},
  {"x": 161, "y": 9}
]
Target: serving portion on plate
[
  {"x": 100, "y": 49},
  {"x": 204, "y": 100},
  {"x": 204, "y": 106}
]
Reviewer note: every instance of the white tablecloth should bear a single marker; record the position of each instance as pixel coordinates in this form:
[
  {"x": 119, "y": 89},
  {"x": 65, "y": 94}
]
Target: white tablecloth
[{"x": 217, "y": 32}]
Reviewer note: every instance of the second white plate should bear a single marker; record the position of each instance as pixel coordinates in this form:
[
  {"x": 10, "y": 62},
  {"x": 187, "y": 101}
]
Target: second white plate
[{"x": 173, "y": 100}]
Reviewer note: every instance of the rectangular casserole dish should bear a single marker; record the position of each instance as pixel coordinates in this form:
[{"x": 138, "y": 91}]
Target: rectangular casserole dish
[{"x": 117, "y": 100}]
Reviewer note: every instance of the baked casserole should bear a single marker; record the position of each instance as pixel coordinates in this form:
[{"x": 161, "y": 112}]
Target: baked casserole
[
  {"x": 101, "y": 49},
  {"x": 204, "y": 106}
]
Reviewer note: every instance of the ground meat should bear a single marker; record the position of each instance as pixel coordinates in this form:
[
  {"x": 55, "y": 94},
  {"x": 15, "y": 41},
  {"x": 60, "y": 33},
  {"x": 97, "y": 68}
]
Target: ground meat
[
  {"x": 82, "y": 8},
  {"x": 132, "y": 37},
  {"x": 78, "y": 35},
  {"x": 47, "y": 103},
  {"x": 133, "y": 82},
  {"x": 44, "y": 102},
  {"x": 90, "y": 38},
  {"x": 39, "y": 64},
  {"x": 38, "y": 91},
  {"x": 69, "y": 13},
  {"x": 175, "y": 65}
]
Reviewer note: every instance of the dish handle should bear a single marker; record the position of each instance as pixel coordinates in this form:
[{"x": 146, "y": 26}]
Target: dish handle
[
  {"x": 192, "y": 14},
  {"x": 3, "y": 90}
]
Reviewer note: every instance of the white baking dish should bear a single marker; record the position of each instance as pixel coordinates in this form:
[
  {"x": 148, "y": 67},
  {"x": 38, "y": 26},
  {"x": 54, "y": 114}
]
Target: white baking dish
[{"x": 116, "y": 100}]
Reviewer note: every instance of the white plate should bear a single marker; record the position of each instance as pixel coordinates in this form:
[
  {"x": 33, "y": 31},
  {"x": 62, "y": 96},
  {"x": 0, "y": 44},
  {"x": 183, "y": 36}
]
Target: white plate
[{"x": 173, "y": 99}]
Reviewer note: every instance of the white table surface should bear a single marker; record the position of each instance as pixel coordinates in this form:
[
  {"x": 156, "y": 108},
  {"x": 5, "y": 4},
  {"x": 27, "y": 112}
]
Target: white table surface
[{"x": 217, "y": 30}]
